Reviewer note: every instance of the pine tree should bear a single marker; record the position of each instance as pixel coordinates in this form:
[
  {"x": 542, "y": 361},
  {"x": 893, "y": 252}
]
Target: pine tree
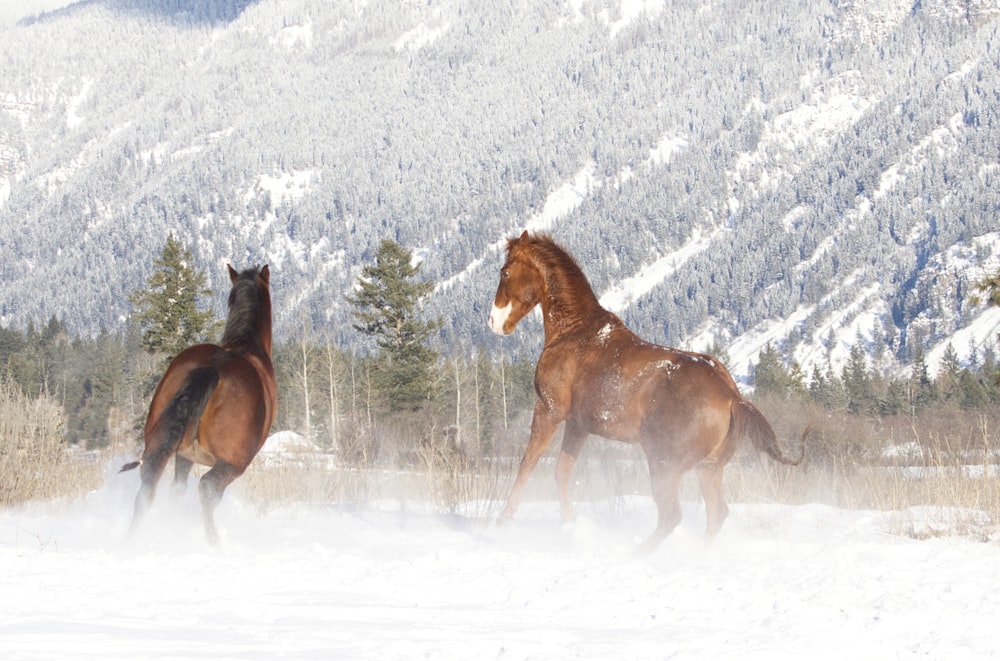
[
  {"x": 99, "y": 376},
  {"x": 857, "y": 382},
  {"x": 989, "y": 286},
  {"x": 948, "y": 374},
  {"x": 770, "y": 375},
  {"x": 826, "y": 388},
  {"x": 922, "y": 390},
  {"x": 386, "y": 308},
  {"x": 168, "y": 310}
]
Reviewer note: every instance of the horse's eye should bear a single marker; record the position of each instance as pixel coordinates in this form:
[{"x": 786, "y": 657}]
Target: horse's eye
[{"x": 504, "y": 274}]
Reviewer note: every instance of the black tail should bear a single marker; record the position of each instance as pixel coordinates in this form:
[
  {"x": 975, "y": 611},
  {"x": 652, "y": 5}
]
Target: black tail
[
  {"x": 749, "y": 421},
  {"x": 179, "y": 414}
]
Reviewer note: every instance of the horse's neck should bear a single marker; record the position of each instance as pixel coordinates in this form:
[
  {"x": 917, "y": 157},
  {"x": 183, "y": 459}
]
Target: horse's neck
[
  {"x": 255, "y": 339},
  {"x": 257, "y": 343},
  {"x": 571, "y": 313},
  {"x": 265, "y": 341},
  {"x": 264, "y": 329}
]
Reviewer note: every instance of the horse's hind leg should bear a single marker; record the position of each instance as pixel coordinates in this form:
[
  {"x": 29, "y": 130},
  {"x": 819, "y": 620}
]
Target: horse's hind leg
[
  {"x": 665, "y": 483},
  {"x": 573, "y": 439},
  {"x": 150, "y": 471},
  {"x": 182, "y": 468},
  {"x": 716, "y": 509},
  {"x": 211, "y": 488}
]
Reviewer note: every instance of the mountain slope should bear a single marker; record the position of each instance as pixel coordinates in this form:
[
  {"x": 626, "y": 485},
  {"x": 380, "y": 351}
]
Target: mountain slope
[{"x": 728, "y": 173}]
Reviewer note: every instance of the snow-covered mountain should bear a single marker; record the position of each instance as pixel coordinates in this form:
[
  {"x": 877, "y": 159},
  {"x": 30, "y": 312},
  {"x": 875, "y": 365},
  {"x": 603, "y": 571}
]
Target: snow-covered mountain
[{"x": 729, "y": 174}]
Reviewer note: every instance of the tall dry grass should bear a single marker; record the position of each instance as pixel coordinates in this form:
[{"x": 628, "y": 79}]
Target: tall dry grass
[
  {"x": 941, "y": 497},
  {"x": 930, "y": 475},
  {"x": 446, "y": 480},
  {"x": 34, "y": 462}
]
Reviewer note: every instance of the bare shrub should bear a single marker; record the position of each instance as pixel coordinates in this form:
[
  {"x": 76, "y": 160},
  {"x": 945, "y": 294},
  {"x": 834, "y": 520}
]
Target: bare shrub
[
  {"x": 934, "y": 473},
  {"x": 34, "y": 463},
  {"x": 928, "y": 475},
  {"x": 437, "y": 469},
  {"x": 307, "y": 478},
  {"x": 357, "y": 446}
]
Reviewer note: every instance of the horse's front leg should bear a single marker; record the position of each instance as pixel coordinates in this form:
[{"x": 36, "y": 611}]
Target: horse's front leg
[{"x": 543, "y": 427}]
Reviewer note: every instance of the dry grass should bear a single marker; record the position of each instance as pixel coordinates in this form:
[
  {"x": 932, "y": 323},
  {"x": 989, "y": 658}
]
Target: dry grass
[
  {"x": 451, "y": 482},
  {"x": 34, "y": 462},
  {"x": 943, "y": 482},
  {"x": 941, "y": 497},
  {"x": 945, "y": 486}
]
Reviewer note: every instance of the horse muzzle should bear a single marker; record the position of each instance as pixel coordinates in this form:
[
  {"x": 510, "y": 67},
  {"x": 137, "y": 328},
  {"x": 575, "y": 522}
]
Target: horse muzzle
[{"x": 498, "y": 319}]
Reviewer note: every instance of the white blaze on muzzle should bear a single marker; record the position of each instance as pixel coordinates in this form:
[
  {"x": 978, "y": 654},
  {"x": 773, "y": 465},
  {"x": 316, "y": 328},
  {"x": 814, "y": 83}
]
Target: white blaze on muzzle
[{"x": 498, "y": 318}]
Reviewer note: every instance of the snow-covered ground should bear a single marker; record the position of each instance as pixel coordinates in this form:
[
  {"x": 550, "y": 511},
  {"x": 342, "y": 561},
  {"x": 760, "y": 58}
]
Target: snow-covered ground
[{"x": 400, "y": 581}]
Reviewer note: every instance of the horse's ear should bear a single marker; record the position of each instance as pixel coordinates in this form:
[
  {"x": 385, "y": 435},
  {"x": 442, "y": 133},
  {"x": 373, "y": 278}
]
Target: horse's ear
[
  {"x": 232, "y": 273},
  {"x": 524, "y": 236},
  {"x": 265, "y": 274}
]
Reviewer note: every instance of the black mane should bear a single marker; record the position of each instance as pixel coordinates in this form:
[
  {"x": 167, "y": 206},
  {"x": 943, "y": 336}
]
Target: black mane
[{"x": 245, "y": 308}]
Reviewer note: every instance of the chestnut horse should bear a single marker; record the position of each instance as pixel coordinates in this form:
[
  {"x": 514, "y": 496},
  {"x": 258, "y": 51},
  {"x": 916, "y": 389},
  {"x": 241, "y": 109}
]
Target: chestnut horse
[
  {"x": 214, "y": 405},
  {"x": 683, "y": 408}
]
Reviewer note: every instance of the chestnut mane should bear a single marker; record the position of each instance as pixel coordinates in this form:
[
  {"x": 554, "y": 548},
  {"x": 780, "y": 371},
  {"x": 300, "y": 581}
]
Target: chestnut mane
[{"x": 571, "y": 295}]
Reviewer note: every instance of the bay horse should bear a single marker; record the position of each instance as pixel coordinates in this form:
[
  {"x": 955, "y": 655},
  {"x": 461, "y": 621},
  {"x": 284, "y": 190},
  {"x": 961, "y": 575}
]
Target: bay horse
[
  {"x": 684, "y": 409},
  {"x": 215, "y": 404}
]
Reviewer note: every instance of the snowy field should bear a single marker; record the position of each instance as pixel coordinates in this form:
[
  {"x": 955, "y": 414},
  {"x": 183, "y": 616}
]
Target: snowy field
[{"x": 397, "y": 581}]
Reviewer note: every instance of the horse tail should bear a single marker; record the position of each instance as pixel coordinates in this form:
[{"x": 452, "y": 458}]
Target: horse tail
[
  {"x": 183, "y": 410},
  {"x": 747, "y": 420}
]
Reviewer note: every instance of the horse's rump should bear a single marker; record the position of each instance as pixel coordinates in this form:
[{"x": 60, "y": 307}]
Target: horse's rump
[{"x": 179, "y": 415}]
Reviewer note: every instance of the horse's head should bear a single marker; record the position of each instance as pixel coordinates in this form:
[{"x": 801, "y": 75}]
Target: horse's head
[
  {"x": 520, "y": 289},
  {"x": 260, "y": 275}
]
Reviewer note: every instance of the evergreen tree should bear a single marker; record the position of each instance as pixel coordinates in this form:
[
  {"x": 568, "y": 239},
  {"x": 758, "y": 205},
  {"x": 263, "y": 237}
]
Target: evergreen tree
[
  {"x": 54, "y": 345},
  {"x": 990, "y": 288},
  {"x": 13, "y": 350},
  {"x": 168, "y": 310},
  {"x": 797, "y": 387},
  {"x": 719, "y": 351},
  {"x": 770, "y": 375},
  {"x": 990, "y": 376},
  {"x": 973, "y": 390},
  {"x": 826, "y": 388},
  {"x": 922, "y": 390},
  {"x": 857, "y": 382},
  {"x": 948, "y": 374},
  {"x": 98, "y": 377},
  {"x": 386, "y": 305}
]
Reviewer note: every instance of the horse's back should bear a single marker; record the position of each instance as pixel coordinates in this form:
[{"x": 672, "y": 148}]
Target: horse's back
[
  {"x": 242, "y": 376},
  {"x": 679, "y": 398}
]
